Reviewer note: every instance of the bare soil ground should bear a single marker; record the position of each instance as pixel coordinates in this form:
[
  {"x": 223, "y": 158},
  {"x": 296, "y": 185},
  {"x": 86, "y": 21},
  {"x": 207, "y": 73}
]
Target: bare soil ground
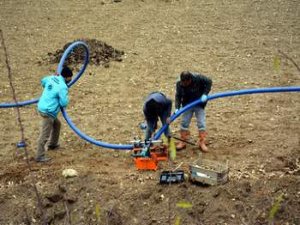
[{"x": 235, "y": 42}]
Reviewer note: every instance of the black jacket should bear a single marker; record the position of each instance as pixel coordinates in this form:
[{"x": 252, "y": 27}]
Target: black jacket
[{"x": 184, "y": 95}]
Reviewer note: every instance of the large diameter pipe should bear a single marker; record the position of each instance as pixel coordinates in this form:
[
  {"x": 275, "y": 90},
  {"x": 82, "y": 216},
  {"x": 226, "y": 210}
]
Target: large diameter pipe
[{"x": 224, "y": 95}]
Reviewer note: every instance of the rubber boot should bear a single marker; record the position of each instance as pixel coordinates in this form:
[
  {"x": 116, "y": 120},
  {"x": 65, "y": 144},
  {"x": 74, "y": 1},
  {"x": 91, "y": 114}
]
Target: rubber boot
[
  {"x": 201, "y": 141},
  {"x": 184, "y": 135}
]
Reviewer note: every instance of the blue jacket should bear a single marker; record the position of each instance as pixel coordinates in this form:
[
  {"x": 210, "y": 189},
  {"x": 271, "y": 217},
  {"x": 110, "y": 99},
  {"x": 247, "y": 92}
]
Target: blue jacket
[
  {"x": 54, "y": 96},
  {"x": 162, "y": 108}
]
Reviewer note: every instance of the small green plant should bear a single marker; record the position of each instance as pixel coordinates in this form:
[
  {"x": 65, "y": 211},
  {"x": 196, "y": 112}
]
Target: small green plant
[
  {"x": 276, "y": 63},
  {"x": 184, "y": 205},
  {"x": 97, "y": 212},
  {"x": 177, "y": 220},
  {"x": 275, "y": 207}
]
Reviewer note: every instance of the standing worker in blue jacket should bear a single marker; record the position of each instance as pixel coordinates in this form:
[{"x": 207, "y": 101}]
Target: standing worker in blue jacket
[
  {"x": 156, "y": 105},
  {"x": 189, "y": 88},
  {"x": 54, "y": 96}
]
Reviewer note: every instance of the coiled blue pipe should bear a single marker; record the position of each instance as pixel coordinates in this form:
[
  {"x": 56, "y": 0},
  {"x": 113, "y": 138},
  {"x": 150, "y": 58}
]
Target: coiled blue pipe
[
  {"x": 174, "y": 116},
  {"x": 65, "y": 56},
  {"x": 159, "y": 133},
  {"x": 59, "y": 69}
]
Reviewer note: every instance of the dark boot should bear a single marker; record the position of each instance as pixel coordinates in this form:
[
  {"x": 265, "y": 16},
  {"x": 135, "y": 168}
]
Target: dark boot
[
  {"x": 42, "y": 159},
  {"x": 53, "y": 147}
]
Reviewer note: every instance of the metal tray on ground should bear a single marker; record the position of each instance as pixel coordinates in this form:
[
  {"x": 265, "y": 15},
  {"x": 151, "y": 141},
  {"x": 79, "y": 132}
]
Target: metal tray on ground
[{"x": 209, "y": 172}]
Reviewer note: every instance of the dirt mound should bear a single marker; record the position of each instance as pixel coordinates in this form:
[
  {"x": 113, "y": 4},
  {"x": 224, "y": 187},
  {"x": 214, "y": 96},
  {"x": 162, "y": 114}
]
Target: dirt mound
[{"x": 100, "y": 53}]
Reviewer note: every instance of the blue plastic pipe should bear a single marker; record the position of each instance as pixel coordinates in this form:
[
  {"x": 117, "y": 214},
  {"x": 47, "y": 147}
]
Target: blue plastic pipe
[
  {"x": 59, "y": 69},
  {"x": 174, "y": 116},
  {"x": 91, "y": 140},
  {"x": 224, "y": 95},
  {"x": 65, "y": 56}
]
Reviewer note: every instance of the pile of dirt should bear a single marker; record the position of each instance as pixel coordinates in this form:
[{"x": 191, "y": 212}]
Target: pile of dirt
[{"x": 100, "y": 53}]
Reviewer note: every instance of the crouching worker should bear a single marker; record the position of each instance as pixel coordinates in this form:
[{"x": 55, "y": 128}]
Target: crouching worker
[
  {"x": 157, "y": 105},
  {"x": 189, "y": 88},
  {"x": 54, "y": 96}
]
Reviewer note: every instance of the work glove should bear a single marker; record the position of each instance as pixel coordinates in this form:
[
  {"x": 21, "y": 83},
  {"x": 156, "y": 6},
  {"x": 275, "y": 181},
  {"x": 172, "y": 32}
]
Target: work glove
[
  {"x": 176, "y": 110},
  {"x": 143, "y": 126},
  {"x": 204, "y": 98}
]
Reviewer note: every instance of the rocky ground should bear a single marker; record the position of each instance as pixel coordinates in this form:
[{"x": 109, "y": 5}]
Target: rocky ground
[{"x": 139, "y": 46}]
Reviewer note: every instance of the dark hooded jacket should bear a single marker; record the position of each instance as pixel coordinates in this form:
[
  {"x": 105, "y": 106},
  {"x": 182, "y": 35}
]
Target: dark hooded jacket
[{"x": 184, "y": 95}]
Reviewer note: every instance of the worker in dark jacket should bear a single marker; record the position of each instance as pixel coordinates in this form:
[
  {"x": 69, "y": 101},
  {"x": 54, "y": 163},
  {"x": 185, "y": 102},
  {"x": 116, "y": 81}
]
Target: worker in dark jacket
[
  {"x": 189, "y": 88},
  {"x": 156, "y": 105}
]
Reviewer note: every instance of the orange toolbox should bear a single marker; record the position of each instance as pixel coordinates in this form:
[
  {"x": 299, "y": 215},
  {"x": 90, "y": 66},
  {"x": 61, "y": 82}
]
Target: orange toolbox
[
  {"x": 147, "y": 155},
  {"x": 146, "y": 163}
]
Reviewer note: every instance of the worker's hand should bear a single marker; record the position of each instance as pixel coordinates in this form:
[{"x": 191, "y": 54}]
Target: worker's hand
[
  {"x": 204, "y": 98},
  {"x": 176, "y": 110}
]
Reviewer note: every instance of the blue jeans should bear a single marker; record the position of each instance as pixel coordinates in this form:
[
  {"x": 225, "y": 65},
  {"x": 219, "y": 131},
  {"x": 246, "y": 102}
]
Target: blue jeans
[
  {"x": 200, "y": 116},
  {"x": 152, "y": 125}
]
